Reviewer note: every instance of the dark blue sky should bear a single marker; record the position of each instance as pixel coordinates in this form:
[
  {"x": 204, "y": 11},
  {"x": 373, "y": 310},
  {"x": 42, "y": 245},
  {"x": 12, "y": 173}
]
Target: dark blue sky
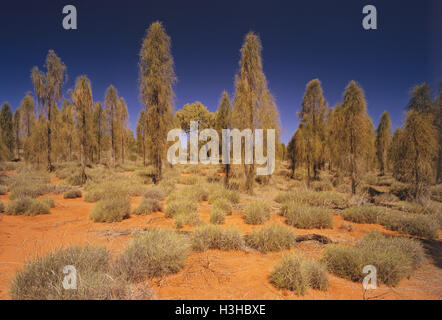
[{"x": 301, "y": 40}]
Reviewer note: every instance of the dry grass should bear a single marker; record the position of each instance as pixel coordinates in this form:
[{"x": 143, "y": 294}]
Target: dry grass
[
  {"x": 111, "y": 210},
  {"x": 214, "y": 237},
  {"x": 257, "y": 212},
  {"x": 72, "y": 194},
  {"x": 271, "y": 238},
  {"x": 147, "y": 206},
  {"x": 27, "y": 206},
  {"x": 304, "y": 216}
]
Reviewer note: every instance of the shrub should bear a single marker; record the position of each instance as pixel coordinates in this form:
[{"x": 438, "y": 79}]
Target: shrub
[
  {"x": 322, "y": 186},
  {"x": 75, "y": 180},
  {"x": 111, "y": 210},
  {"x": 215, "y": 237},
  {"x": 231, "y": 195},
  {"x": 180, "y": 206},
  {"x": 43, "y": 277},
  {"x": 153, "y": 253},
  {"x": 27, "y": 206},
  {"x": 156, "y": 194},
  {"x": 401, "y": 190},
  {"x": 2, "y": 207},
  {"x": 189, "y": 180},
  {"x": 363, "y": 214},
  {"x": 72, "y": 194},
  {"x": 306, "y": 217},
  {"x": 49, "y": 202},
  {"x": 394, "y": 258},
  {"x": 412, "y": 224},
  {"x": 323, "y": 198},
  {"x": 29, "y": 189},
  {"x": 271, "y": 238},
  {"x": 224, "y": 205},
  {"x": 147, "y": 206},
  {"x": 104, "y": 191},
  {"x": 257, "y": 212},
  {"x": 197, "y": 193},
  {"x": 298, "y": 274},
  {"x": 190, "y": 218},
  {"x": 217, "y": 216},
  {"x": 3, "y": 190}
]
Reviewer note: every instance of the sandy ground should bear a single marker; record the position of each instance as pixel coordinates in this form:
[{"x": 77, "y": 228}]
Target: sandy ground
[{"x": 209, "y": 275}]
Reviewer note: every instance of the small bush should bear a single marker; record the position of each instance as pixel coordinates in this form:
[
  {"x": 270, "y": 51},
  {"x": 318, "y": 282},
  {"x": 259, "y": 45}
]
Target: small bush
[
  {"x": 257, "y": 212},
  {"x": 156, "y": 194},
  {"x": 306, "y": 217},
  {"x": 224, "y": 205},
  {"x": 190, "y": 218},
  {"x": 153, "y": 253},
  {"x": 215, "y": 237},
  {"x": 147, "y": 206},
  {"x": 217, "y": 216},
  {"x": 401, "y": 190},
  {"x": 394, "y": 258},
  {"x": 313, "y": 198},
  {"x": 189, "y": 180},
  {"x": 271, "y": 238},
  {"x": 182, "y": 206},
  {"x": 27, "y": 206},
  {"x": 298, "y": 274},
  {"x": 412, "y": 224},
  {"x": 3, "y": 190},
  {"x": 105, "y": 191},
  {"x": 231, "y": 195},
  {"x": 322, "y": 186},
  {"x": 111, "y": 210},
  {"x": 49, "y": 202},
  {"x": 72, "y": 194},
  {"x": 75, "y": 180},
  {"x": 29, "y": 189},
  {"x": 42, "y": 279},
  {"x": 2, "y": 207},
  {"x": 363, "y": 214}
]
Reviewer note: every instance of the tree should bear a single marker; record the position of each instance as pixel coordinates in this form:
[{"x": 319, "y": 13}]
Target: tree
[
  {"x": 438, "y": 118},
  {"x": 6, "y": 125},
  {"x": 358, "y": 134},
  {"x": 421, "y": 99},
  {"x": 312, "y": 115},
  {"x": 420, "y": 139},
  {"x": 123, "y": 122},
  {"x": 223, "y": 120},
  {"x": 27, "y": 115},
  {"x": 82, "y": 98},
  {"x": 141, "y": 135},
  {"x": 16, "y": 126},
  {"x": 156, "y": 78},
  {"x": 296, "y": 150},
  {"x": 253, "y": 104},
  {"x": 111, "y": 101},
  {"x": 383, "y": 141},
  {"x": 48, "y": 90},
  {"x": 98, "y": 128}
]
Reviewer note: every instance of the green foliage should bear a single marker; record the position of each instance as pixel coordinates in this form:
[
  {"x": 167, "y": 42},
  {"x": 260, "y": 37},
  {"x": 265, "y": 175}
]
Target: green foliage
[
  {"x": 394, "y": 258},
  {"x": 42, "y": 278},
  {"x": 217, "y": 216},
  {"x": 111, "y": 210},
  {"x": 153, "y": 253},
  {"x": 215, "y": 237},
  {"x": 147, "y": 205},
  {"x": 257, "y": 212},
  {"x": 72, "y": 194},
  {"x": 27, "y": 206},
  {"x": 297, "y": 274},
  {"x": 363, "y": 214},
  {"x": 306, "y": 217},
  {"x": 271, "y": 238}
]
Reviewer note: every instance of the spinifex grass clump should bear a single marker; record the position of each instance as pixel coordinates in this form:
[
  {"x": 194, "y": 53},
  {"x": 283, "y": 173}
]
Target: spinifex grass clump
[
  {"x": 42, "y": 278},
  {"x": 363, "y": 214},
  {"x": 217, "y": 216},
  {"x": 230, "y": 195},
  {"x": 271, "y": 238},
  {"x": 153, "y": 253},
  {"x": 413, "y": 224},
  {"x": 28, "y": 184},
  {"x": 154, "y": 193},
  {"x": 297, "y": 274},
  {"x": 183, "y": 210},
  {"x": 304, "y": 216},
  {"x": 322, "y": 199},
  {"x": 215, "y": 237},
  {"x": 224, "y": 205},
  {"x": 3, "y": 190},
  {"x": 2, "y": 207},
  {"x": 72, "y": 194},
  {"x": 111, "y": 210},
  {"x": 394, "y": 258},
  {"x": 28, "y": 207},
  {"x": 147, "y": 206},
  {"x": 257, "y": 212},
  {"x": 189, "y": 180}
]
